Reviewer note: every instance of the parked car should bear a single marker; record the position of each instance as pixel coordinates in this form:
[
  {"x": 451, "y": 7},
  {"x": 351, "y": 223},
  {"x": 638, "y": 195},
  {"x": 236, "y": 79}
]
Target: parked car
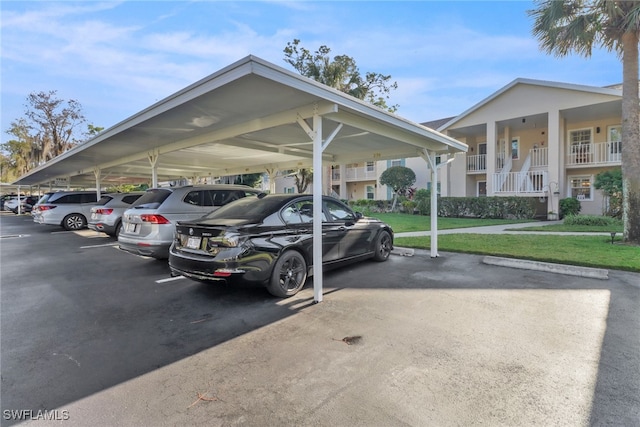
[
  {"x": 106, "y": 216},
  {"x": 69, "y": 209},
  {"x": 4, "y": 198},
  {"x": 269, "y": 240},
  {"x": 26, "y": 204},
  {"x": 149, "y": 226}
]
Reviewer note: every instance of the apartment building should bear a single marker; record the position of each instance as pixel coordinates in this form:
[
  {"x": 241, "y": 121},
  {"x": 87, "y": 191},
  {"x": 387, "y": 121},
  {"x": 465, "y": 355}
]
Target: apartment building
[
  {"x": 538, "y": 139},
  {"x": 532, "y": 138}
]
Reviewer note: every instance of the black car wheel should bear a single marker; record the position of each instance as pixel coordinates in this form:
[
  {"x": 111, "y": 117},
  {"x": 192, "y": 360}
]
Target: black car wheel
[
  {"x": 118, "y": 229},
  {"x": 382, "y": 249},
  {"x": 289, "y": 274},
  {"x": 74, "y": 222}
]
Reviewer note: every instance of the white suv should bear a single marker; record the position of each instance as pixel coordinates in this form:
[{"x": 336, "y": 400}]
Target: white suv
[{"x": 69, "y": 209}]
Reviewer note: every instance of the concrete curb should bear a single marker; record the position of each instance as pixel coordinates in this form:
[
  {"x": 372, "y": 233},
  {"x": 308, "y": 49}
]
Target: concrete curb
[
  {"x": 402, "y": 251},
  {"x": 572, "y": 270}
]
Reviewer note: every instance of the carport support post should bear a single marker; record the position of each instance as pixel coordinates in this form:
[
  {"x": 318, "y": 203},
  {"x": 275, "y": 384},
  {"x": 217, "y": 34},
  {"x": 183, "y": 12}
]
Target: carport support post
[
  {"x": 153, "y": 160},
  {"x": 96, "y": 173},
  {"x": 19, "y": 202},
  {"x": 317, "y": 208},
  {"x": 430, "y": 158}
]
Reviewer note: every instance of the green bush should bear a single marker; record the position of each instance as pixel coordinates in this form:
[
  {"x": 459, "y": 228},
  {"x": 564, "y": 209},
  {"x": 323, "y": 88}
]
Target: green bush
[
  {"x": 569, "y": 206},
  {"x": 422, "y": 197},
  {"x": 455, "y": 207},
  {"x": 486, "y": 207},
  {"x": 591, "y": 220},
  {"x": 408, "y": 206}
]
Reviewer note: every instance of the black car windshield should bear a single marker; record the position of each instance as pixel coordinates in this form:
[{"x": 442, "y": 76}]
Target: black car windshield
[{"x": 253, "y": 208}]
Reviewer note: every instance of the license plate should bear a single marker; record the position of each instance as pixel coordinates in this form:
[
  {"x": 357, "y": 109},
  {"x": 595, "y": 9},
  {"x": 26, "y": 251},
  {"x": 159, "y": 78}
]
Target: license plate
[
  {"x": 193, "y": 243},
  {"x": 130, "y": 227}
]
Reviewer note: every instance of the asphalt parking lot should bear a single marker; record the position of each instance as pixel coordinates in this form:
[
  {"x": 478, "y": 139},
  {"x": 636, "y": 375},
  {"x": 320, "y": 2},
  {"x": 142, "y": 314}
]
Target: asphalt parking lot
[{"x": 93, "y": 336}]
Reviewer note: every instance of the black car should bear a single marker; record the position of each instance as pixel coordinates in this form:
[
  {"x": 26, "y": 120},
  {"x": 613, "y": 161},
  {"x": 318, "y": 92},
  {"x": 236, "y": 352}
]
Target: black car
[{"x": 269, "y": 240}]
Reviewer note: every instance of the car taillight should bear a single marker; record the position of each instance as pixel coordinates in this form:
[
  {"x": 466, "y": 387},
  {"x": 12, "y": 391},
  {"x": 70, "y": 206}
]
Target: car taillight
[
  {"x": 154, "y": 219},
  {"x": 46, "y": 207},
  {"x": 104, "y": 211}
]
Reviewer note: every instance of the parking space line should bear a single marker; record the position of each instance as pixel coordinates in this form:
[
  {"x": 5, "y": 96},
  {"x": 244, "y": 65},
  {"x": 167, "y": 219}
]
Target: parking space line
[
  {"x": 98, "y": 246},
  {"x": 170, "y": 279}
]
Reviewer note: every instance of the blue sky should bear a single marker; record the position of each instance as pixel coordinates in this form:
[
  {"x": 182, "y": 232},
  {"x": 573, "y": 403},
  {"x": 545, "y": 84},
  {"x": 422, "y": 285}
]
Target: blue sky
[{"x": 117, "y": 58}]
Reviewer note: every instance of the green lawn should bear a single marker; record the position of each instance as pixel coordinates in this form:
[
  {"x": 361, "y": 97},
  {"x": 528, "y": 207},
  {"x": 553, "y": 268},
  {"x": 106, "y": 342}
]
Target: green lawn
[
  {"x": 584, "y": 250},
  {"x": 405, "y": 222}
]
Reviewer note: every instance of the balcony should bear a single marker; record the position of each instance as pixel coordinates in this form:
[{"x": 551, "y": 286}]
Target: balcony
[
  {"x": 477, "y": 163},
  {"x": 355, "y": 174},
  {"x": 530, "y": 182},
  {"x": 600, "y": 153}
]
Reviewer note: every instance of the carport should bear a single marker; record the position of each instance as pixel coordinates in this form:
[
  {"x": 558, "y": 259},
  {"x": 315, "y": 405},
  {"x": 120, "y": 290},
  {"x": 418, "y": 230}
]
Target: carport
[{"x": 251, "y": 116}]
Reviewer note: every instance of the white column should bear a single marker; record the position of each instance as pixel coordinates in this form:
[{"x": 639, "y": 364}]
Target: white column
[
  {"x": 555, "y": 174},
  {"x": 317, "y": 208},
  {"x": 492, "y": 142},
  {"x": 153, "y": 160},
  {"x": 97, "y": 174}
]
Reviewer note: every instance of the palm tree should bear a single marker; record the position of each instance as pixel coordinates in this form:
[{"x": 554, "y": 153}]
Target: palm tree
[{"x": 567, "y": 26}]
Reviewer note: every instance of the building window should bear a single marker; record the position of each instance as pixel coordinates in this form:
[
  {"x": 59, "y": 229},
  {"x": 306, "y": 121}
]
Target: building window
[
  {"x": 580, "y": 145},
  {"x": 437, "y": 187},
  {"x": 581, "y": 187},
  {"x": 371, "y": 167},
  {"x": 289, "y": 190},
  {"x": 371, "y": 194},
  {"x": 515, "y": 148},
  {"x": 396, "y": 163},
  {"x": 614, "y": 142}
]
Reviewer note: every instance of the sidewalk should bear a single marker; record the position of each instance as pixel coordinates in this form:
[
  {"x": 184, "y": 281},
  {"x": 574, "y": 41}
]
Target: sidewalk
[{"x": 499, "y": 229}]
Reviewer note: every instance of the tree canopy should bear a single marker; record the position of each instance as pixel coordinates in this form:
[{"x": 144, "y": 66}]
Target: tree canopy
[
  {"x": 50, "y": 127},
  {"x": 341, "y": 73},
  {"x": 399, "y": 178}
]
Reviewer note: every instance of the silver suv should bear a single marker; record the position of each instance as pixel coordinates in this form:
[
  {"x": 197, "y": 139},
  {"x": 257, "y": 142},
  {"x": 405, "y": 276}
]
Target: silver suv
[
  {"x": 106, "y": 216},
  {"x": 70, "y": 209},
  {"x": 148, "y": 228}
]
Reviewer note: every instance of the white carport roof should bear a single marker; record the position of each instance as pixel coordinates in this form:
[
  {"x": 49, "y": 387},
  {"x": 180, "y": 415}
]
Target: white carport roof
[
  {"x": 251, "y": 116},
  {"x": 244, "y": 118}
]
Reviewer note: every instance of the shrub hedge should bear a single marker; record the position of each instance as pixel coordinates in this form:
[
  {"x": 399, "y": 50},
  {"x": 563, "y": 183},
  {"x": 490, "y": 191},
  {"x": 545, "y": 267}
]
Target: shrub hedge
[
  {"x": 591, "y": 220},
  {"x": 459, "y": 207}
]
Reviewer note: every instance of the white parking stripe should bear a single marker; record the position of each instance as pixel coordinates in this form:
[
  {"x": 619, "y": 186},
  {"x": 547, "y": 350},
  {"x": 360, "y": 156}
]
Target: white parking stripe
[
  {"x": 170, "y": 279},
  {"x": 98, "y": 246}
]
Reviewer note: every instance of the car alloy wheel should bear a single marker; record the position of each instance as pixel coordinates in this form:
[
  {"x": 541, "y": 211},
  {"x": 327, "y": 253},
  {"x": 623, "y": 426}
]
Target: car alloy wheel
[
  {"x": 74, "y": 222},
  {"x": 289, "y": 274},
  {"x": 382, "y": 249}
]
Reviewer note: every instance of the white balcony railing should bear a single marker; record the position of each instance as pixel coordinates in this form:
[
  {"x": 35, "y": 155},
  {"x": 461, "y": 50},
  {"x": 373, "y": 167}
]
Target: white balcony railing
[
  {"x": 539, "y": 157},
  {"x": 520, "y": 182},
  {"x": 595, "y": 153},
  {"x": 355, "y": 174},
  {"x": 477, "y": 163}
]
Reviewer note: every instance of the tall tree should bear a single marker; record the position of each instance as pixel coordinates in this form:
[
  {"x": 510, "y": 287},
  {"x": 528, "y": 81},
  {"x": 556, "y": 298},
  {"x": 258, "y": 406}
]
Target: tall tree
[
  {"x": 303, "y": 178},
  {"x": 50, "y": 127},
  {"x": 577, "y": 26},
  {"x": 55, "y": 125},
  {"x": 341, "y": 73}
]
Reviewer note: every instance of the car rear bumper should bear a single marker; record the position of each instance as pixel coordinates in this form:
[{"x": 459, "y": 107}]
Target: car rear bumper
[
  {"x": 250, "y": 270},
  {"x": 102, "y": 227},
  {"x": 154, "y": 250}
]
